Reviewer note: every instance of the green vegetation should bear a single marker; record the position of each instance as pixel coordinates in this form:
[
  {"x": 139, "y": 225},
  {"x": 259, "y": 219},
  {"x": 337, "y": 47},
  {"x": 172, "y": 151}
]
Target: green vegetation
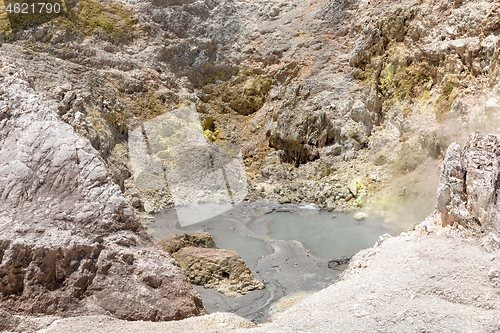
[
  {"x": 449, "y": 92},
  {"x": 4, "y": 20},
  {"x": 397, "y": 83},
  {"x": 90, "y": 17},
  {"x": 244, "y": 94},
  {"x": 86, "y": 17},
  {"x": 29, "y": 14},
  {"x": 398, "y": 80},
  {"x": 149, "y": 105}
]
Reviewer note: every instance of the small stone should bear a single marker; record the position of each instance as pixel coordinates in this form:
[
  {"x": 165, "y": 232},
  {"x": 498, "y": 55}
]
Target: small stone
[
  {"x": 353, "y": 187},
  {"x": 493, "y": 274},
  {"x": 148, "y": 206},
  {"x": 360, "y": 216},
  {"x": 362, "y": 199}
]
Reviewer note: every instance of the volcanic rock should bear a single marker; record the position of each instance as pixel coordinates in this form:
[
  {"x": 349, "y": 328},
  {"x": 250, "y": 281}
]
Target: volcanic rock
[
  {"x": 223, "y": 270},
  {"x": 469, "y": 184},
  {"x": 174, "y": 242},
  {"x": 70, "y": 244}
]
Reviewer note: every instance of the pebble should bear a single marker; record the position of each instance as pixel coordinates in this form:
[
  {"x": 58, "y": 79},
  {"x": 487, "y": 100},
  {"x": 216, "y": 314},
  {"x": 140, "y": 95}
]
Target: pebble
[{"x": 360, "y": 216}]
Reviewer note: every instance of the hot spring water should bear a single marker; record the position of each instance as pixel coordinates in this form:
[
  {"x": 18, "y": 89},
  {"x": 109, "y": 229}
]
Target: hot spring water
[{"x": 257, "y": 230}]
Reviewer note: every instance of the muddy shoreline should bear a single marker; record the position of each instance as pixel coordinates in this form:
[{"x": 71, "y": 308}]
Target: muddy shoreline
[{"x": 285, "y": 266}]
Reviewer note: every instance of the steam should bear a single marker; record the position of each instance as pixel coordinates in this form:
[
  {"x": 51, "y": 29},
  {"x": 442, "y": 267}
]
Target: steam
[{"x": 415, "y": 197}]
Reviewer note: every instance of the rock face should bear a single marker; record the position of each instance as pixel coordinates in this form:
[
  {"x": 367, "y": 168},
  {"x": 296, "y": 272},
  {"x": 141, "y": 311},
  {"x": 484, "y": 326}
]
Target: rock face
[
  {"x": 469, "y": 184},
  {"x": 301, "y": 135},
  {"x": 70, "y": 243},
  {"x": 223, "y": 270},
  {"x": 305, "y": 78}
]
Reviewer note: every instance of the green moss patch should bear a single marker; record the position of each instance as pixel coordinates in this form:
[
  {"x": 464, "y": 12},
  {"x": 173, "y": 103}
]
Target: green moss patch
[
  {"x": 404, "y": 82},
  {"x": 4, "y": 20},
  {"x": 90, "y": 17},
  {"x": 449, "y": 92},
  {"x": 150, "y": 105},
  {"x": 18, "y": 14},
  {"x": 87, "y": 17},
  {"x": 245, "y": 93}
]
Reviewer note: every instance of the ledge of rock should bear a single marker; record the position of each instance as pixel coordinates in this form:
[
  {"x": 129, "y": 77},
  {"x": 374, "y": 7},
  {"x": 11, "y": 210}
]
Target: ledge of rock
[
  {"x": 70, "y": 244},
  {"x": 206, "y": 265}
]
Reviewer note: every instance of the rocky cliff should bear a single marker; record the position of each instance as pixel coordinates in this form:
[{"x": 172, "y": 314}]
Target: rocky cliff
[
  {"x": 469, "y": 185},
  {"x": 317, "y": 94},
  {"x": 70, "y": 243}
]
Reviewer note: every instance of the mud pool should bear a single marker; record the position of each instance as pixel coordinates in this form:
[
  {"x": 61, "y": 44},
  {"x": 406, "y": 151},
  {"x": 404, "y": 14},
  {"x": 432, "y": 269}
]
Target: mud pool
[{"x": 287, "y": 247}]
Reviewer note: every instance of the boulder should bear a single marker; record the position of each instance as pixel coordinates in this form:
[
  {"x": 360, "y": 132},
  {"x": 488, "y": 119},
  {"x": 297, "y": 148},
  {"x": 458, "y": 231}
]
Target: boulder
[
  {"x": 300, "y": 134},
  {"x": 272, "y": 168},
  {"x": 174, "y": 242},
  {"x": 360, "y": 114},
  {"x": 70, "y": 244},
  {"x": 360, "y": 216},
  {"x": 248, "y": 96},
  {"x": 223, "y": 270}
]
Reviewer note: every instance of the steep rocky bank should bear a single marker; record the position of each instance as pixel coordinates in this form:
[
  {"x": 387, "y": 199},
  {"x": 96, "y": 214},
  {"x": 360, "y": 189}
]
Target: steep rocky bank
[
  {"x": 344, "y": 103},
  {"x": 317, "y": 94}
]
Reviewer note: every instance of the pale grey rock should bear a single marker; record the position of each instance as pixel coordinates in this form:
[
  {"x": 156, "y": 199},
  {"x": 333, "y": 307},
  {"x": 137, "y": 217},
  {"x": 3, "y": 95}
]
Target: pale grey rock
[
  {"x": 360, "y": 216},
  {"x": 333, "y": 150},
  {"x": 436, "y": 51},
  {"x": 469, "y": 19},
  {"x": 353, "y": 136},
  {"x": 272, "y": 168},
  {"x": 468, "y": 185},
  {"x": 368, "y": 44},
  {"x": 360, "y": 114}
]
